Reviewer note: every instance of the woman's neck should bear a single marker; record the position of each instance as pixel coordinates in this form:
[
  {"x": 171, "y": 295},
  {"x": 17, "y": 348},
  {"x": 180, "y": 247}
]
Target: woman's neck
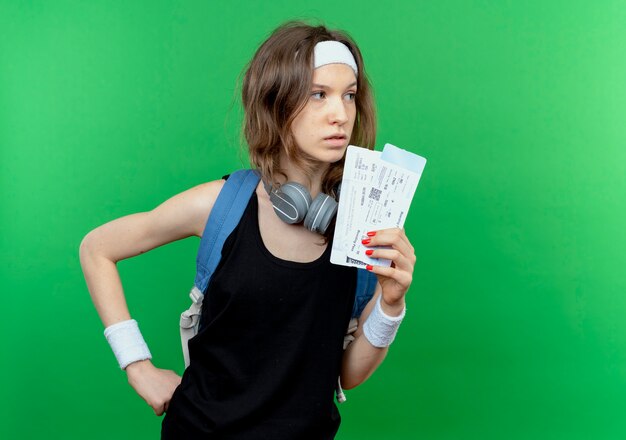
[{"x": 295, "y": 174}]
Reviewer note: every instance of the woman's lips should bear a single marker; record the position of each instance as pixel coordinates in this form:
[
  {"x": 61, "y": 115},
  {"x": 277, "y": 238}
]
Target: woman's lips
[{"x": 335, "y": 141}]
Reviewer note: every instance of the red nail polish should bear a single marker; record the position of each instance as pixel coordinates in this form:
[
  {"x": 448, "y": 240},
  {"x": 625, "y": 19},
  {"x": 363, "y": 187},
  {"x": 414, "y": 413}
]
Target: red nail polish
[
  {"x": 366, "y": 241},
  {"x": 369, "y": 252},
  {"x": 369, "y": 267},
  {"x": 371, "y": 234}
]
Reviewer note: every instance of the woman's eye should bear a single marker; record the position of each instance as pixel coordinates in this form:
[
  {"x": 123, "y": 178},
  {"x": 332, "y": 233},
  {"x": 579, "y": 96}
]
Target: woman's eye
[
  {"x": 318, "y": 95},
  {"x": 350, "y": 96}
]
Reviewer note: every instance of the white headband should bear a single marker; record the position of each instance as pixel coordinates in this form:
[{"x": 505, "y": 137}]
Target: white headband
[{"x": 333, "y": 52}]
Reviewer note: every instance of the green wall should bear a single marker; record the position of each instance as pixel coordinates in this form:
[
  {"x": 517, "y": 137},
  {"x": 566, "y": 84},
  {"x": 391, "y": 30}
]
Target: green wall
[{"x": 515, "y": 325}]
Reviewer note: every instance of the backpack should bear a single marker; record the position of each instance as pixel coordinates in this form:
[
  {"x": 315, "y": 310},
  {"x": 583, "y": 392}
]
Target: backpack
[{"x": 225, "y": 215}]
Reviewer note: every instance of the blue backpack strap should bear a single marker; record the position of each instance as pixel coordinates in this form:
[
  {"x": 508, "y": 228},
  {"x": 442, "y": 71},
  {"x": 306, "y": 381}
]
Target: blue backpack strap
[
  {"x": 365, "y": 287},
  {"x": 225, "y": 215}
]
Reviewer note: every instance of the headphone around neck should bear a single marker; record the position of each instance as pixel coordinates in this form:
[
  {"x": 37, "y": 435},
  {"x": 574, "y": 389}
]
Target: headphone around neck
[{"x": 293, "y": 204}]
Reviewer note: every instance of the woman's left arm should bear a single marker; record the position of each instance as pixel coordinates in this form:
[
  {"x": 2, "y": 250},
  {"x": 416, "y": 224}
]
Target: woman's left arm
[{"x": 362, "y": 357}]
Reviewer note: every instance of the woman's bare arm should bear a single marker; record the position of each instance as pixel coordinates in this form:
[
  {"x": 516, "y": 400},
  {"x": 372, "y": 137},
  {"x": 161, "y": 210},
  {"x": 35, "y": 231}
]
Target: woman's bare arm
[
  {"x": 181, "y": 216},
  {"x": 361, "y": 358}
]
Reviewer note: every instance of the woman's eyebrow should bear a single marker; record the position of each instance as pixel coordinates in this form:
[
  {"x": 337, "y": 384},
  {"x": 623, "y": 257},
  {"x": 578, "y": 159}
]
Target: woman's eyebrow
[{"x": 322, "y": 86}]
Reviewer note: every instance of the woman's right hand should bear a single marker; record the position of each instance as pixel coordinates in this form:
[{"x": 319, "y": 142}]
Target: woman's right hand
[{"x": 154, "y": 385}]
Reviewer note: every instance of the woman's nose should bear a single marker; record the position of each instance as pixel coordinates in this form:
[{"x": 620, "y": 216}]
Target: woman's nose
[{"x": 337, "y": 112}]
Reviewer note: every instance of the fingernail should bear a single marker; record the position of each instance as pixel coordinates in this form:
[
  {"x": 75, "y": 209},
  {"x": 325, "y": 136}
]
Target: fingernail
[
  {"x": 371, "y": 233},
  {"x": 369, "y": 252},
  {"x": 369, "y": 267},
  {"x": 365, "y": 241}
]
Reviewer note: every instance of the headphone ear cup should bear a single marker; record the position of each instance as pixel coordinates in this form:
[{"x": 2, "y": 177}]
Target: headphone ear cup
[
  {"x": 321, "y": 213},
  {"x": 291, "y": 202}
]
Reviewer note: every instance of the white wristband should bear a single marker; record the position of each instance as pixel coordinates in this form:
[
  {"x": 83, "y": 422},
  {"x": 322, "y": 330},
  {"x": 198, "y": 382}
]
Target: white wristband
[
  {"x": 380, "y": 329},
  {"x": 127, "y": 343}
]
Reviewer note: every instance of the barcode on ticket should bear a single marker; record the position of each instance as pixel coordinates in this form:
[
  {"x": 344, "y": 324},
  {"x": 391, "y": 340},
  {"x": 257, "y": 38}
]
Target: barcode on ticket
[
  {"x": 375, "y": 194},
  {"x": 353, "y": 261}
]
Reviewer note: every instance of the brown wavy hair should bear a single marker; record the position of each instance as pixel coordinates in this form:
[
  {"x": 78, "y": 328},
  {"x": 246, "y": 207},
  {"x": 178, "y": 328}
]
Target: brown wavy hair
[{"x": 276, "y": 87}]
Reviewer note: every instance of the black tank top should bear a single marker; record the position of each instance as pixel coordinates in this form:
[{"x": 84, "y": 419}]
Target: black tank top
[{"x": 266, "y": 361}]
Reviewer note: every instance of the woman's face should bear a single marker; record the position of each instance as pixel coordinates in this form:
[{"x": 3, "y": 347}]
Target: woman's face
[{"x": 323, "y": 128}]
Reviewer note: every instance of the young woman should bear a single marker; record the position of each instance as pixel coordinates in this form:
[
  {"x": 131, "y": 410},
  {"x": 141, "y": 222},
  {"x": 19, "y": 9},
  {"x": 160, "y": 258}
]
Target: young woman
[{"x": 266, "y": 362}]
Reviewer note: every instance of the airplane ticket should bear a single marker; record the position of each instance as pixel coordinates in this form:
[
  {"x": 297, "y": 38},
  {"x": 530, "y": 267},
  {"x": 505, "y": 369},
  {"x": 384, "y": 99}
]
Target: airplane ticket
[{"x": 376, "y": 193}]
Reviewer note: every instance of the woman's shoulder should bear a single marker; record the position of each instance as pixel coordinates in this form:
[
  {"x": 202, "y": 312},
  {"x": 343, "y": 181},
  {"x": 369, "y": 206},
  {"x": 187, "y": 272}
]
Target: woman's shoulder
[
  {"x": 205, "y": 194},
  {"x": 193, "y": 205},
  {"x": 196, "y": 203}
]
